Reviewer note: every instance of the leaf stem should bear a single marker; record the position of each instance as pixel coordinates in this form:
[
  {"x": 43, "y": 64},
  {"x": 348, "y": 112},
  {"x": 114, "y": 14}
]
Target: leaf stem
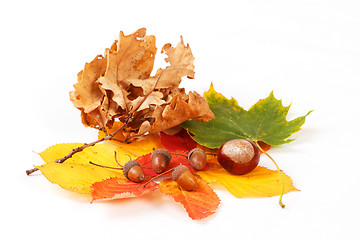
[
  {"x": 178, "y": 154},
  {"x": 98, "y": 165},
  {"x": 280, "y": 172},
  {"x": 117, "y": 160},
  {"x": 159, "y": 175}
]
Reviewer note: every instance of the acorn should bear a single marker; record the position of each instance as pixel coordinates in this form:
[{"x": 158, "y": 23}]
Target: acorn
[
  {"x": 197, "y": 158},
  {"x": 160, "y": 159},
  {"x": 184, "y": 178},
  {"x": 133, "y": 171}
]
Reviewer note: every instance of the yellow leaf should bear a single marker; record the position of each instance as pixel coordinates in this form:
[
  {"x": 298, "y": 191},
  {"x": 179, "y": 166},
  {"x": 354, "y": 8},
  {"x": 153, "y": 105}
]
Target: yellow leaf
[
  {"x": 100, "y": 153},
  {"x": 57, "y": 151},
  {"x": 261, "y": 182},
  {"x": 77, "y": 174},
  {"x": 76, "y": 177}
]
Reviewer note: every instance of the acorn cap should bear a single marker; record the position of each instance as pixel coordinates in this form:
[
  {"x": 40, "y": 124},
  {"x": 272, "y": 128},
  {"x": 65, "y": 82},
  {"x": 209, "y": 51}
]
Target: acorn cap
[
  {"x": 196, "y": 150},
  {"x": 178, "y": 171},
  {"x": 161, "y": 151},
  {"x": 128, "y": 165}
]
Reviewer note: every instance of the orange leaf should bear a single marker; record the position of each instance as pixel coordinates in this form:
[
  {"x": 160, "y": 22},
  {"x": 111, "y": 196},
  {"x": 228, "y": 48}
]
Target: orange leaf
[
  {"x": 116, "y": 188},
  {"x": 199, "y": 203}
]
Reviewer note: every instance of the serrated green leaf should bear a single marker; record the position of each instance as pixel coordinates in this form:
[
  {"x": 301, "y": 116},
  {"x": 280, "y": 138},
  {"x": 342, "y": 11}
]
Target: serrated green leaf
[{"x": 265, "y": 121}]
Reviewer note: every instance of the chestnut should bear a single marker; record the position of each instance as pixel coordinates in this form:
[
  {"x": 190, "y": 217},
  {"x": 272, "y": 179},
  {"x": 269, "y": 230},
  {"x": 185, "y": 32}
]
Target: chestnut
[{"x": 239, "y": 156}]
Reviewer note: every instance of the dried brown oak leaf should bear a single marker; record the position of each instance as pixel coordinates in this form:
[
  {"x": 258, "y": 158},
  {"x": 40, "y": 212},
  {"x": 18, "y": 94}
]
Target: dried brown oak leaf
[
  {"x": 87, "y": 95},
  {"x": 120, "y": 82}
]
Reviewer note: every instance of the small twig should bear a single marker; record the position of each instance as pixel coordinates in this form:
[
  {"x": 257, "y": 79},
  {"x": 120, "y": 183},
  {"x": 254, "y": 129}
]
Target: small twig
[
  {"x": 103, "y": 129},
  {"x": 30, "y": 171},
  {"x": 81, "y": 148}
]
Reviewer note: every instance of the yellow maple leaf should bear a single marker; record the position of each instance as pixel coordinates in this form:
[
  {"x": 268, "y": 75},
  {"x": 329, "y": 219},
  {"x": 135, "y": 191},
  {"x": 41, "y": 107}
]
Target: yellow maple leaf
[{"x": 261, "y": 182}]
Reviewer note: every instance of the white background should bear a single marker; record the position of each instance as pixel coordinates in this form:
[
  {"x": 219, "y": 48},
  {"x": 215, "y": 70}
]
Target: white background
[{"x": 308, "y": 52}]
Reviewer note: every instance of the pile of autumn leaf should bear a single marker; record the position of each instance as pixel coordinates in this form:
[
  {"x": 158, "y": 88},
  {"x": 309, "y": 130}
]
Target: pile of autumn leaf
[
  {"x": 119, "y": 84},
  {"x": 116, "y": 92}
]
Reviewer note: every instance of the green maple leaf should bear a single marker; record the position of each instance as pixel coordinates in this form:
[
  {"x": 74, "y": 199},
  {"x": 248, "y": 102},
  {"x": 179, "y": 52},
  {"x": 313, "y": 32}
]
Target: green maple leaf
[{"x": 265, "y": 121}]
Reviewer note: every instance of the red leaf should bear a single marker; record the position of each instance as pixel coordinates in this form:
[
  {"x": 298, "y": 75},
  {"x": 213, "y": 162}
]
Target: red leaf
[
  {"x": 200, "y": 203},
  {"x": 115, "y": 188},
  {"x": 145, "y": 163},
  {"x": 180, "y": 142}
]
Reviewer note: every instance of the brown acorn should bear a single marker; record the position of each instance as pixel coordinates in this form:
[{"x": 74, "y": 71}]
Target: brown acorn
[
  {"x": 160, "y": 160},
  {"x": 184, "y": 178},
  {"x": 197, "y": 158},
  {"x": 133, "y": 171}
]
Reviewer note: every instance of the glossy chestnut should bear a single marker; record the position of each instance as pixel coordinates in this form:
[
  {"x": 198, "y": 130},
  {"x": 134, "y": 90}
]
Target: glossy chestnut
[{"x": 239, "y": 156}]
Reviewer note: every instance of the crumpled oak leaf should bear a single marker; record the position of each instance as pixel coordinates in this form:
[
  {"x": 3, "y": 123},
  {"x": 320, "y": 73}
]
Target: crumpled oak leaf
[
  {"x": 119, "y": 83},
  {"x": 200, "y": 203},
  {"x": 181, "y": 63},
  {"x": 133, "y": 59},
  {"x": 261, "y": 182},
  {"x": 117, "y": 188},
  {"x": 88, "y": 96}
]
